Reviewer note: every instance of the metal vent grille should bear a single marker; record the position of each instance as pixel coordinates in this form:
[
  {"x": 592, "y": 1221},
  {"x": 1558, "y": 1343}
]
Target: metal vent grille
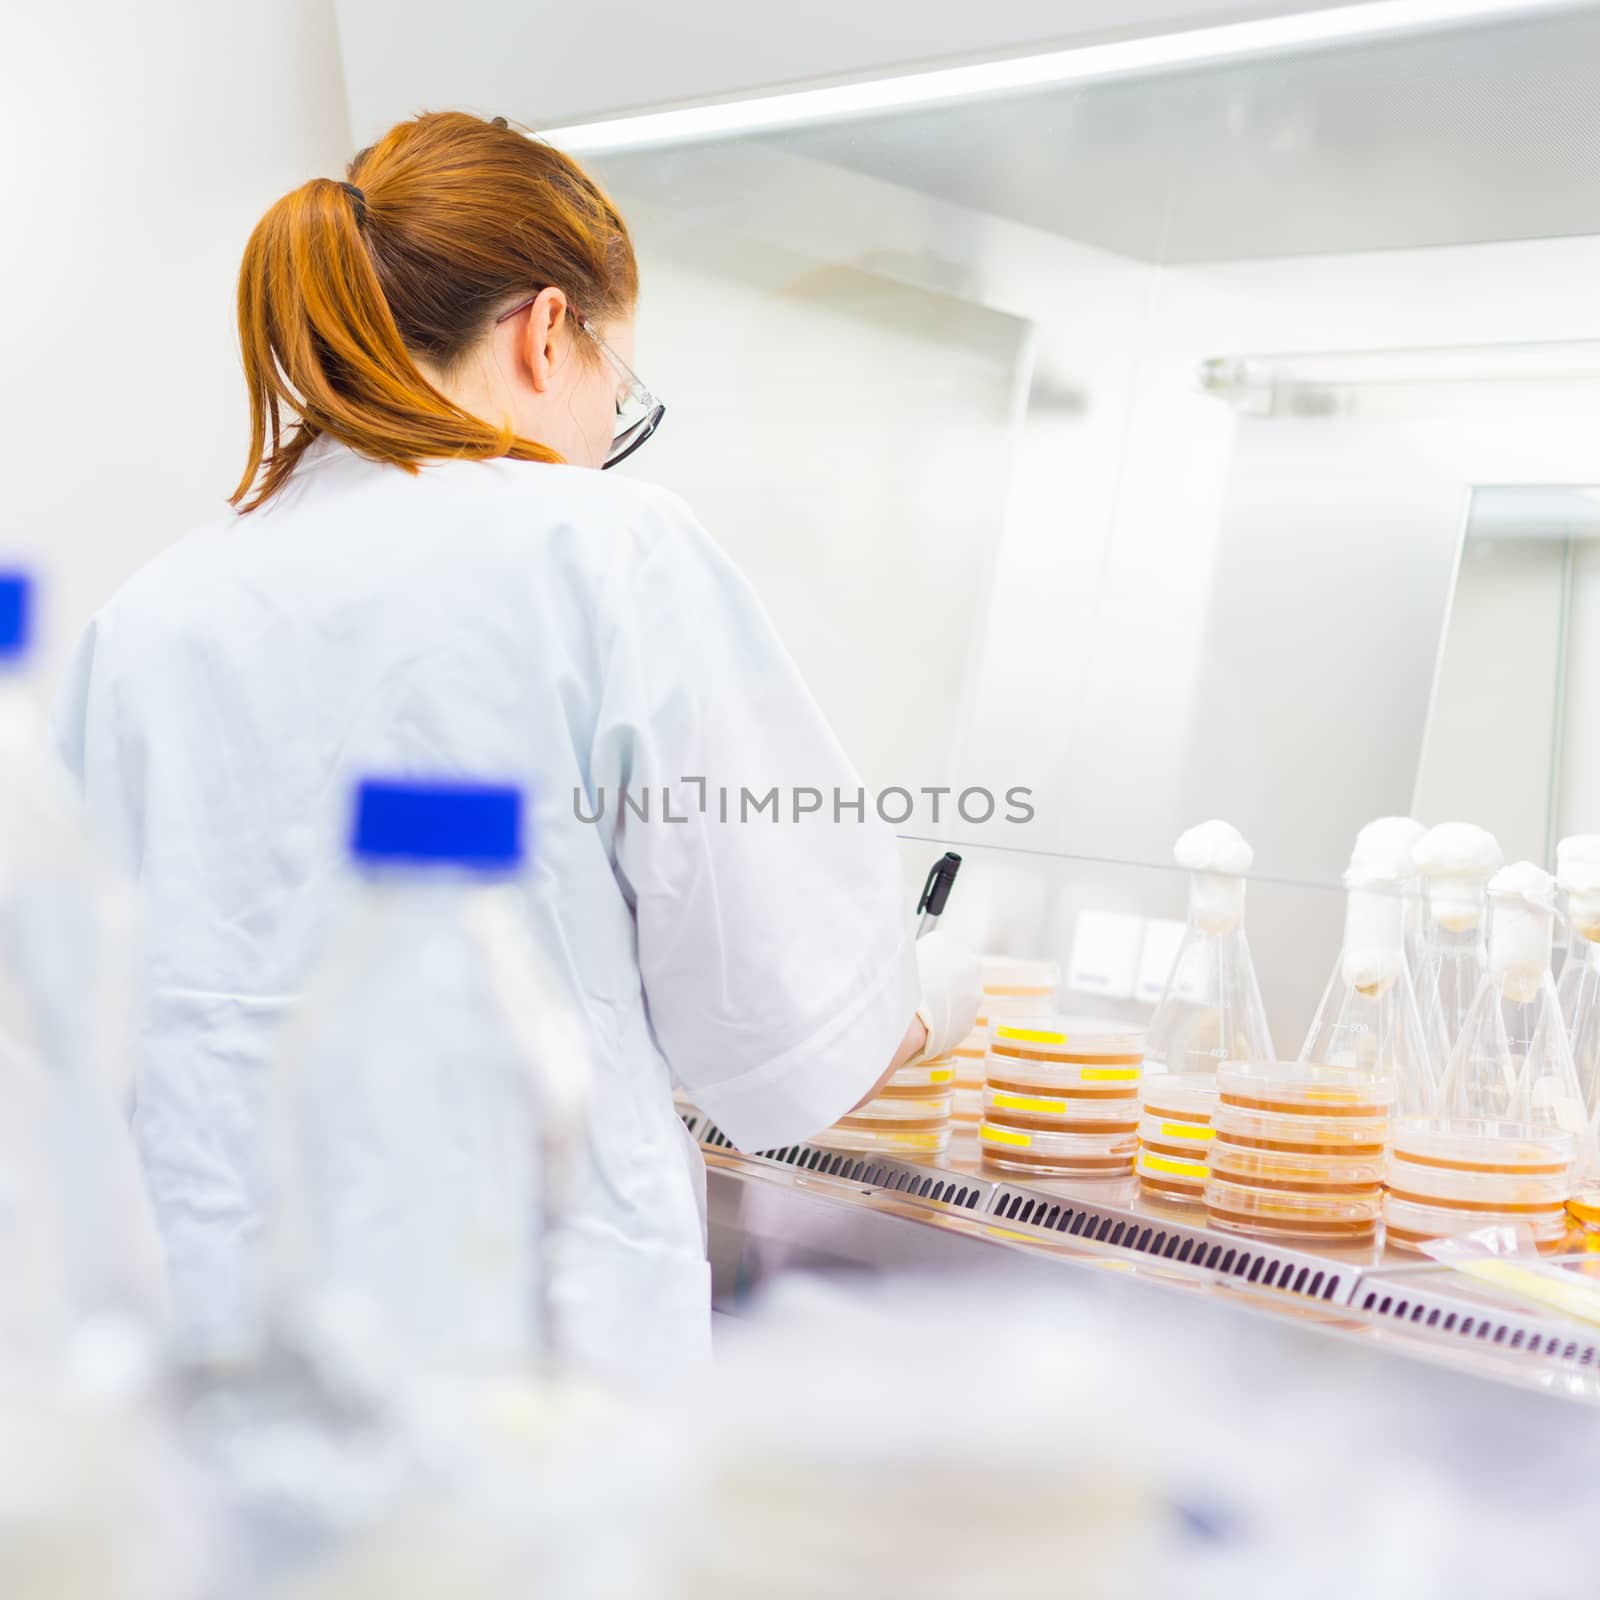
[
  {"x": 1263, "y": 1265},
  {"x": 1432, "y": 1311},
  {"x": 893, "y": 1177}
]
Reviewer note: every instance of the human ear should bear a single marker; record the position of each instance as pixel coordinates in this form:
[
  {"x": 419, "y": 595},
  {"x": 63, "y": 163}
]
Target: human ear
[{"x": 539, "y": 345}]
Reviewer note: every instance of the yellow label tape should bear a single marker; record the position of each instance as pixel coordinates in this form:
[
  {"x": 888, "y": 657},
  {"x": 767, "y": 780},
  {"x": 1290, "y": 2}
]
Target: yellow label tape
[
  {"x": 1184, "y": 1130},
  {"x": 1031, "y": 1035},
  {"x": 941, "y": 1074},
  {"x": 1109, "y": 1074},
  {"x": 992, "y": 1135},
  {"x": 1024, "y": 1102},
  {"x": 1178, "y": 1169}
]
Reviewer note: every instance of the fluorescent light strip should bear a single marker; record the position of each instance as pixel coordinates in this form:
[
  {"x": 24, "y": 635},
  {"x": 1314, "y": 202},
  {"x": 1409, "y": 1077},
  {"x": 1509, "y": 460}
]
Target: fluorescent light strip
[{"x": 1304, "y": 30}]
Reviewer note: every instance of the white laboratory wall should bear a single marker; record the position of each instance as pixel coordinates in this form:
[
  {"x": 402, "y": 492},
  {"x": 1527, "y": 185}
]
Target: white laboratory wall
[
  {"x": 1579, "y": 795},
  {"x": 545, "y": 65},
  {"x": 141, "y": 143}
]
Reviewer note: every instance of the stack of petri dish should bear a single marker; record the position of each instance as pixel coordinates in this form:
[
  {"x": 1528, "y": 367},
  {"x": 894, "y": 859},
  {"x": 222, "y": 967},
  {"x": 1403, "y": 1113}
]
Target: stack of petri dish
[
  {"x": 1175, "y": 1112},
  {"x": 1012, "y": 988},
  {"x": 969, "y": 1057},
  {"x": 1297, "y": 1152},
  {"x": 909, "y": 1117},
  {"x": 1061, "y": 1097},
  {"x": 1449, "y": 1177}
]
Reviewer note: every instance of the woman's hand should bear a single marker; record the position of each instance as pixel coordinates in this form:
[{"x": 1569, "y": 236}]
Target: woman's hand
[{"x": 952, "y": 992}]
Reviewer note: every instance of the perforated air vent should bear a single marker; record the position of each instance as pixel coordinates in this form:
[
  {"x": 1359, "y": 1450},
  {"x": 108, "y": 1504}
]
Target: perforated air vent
[
  {"x": 1439, "y": 1313},
  {"x": 1266, "y": 1266},
  {"x": 915, "y": 1183}
]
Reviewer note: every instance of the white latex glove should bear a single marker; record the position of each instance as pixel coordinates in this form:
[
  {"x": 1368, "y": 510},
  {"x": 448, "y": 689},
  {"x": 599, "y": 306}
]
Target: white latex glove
[{"x": 952, "y": 992}]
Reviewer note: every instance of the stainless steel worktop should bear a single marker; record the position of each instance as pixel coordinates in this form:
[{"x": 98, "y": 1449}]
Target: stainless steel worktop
[{"x": 805, "y": 1206}]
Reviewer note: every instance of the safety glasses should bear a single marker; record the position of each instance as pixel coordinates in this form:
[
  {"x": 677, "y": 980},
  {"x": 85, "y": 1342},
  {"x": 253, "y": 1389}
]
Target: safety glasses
[{"x": 639, "y": 413}]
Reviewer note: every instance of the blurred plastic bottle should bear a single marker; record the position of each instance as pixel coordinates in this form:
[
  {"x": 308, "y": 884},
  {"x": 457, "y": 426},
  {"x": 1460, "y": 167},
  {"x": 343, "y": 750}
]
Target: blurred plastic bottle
[
  {"x": 1513, "y": 1062},
  {"x": 390, "y": 1434},
  {"x": 1369, "y": 1017},
  {"x": 94, "y": 1501},
  {"x": 1211, "y": 1011},
  {"x": 429, "y": 1097},
  {"x": 66, "y": 1014},
  {"x": 1455, "y": 862}
]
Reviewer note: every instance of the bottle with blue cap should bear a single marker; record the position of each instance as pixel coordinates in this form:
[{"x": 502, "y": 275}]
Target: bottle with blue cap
[
  {"x": 427, "y": 1097},
  {"x": 66, "y": 1002}
]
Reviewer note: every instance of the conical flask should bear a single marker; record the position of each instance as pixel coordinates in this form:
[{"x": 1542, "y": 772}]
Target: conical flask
[
  {"x": 1454, "y": 863},
  {"x": 1393, "y": 841},
  {"x": 1512, "y": 1061},
  {"x": 1579, "y": 989},
  {"x": 1210, "y": 1010},
  {"x": 1369, "y": 1017},
  {"x": 1574, "y": 853}
]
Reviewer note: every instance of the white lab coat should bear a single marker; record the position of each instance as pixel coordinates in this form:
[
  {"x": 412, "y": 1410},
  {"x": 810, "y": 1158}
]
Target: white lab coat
[{"x": 568, "y": 630}]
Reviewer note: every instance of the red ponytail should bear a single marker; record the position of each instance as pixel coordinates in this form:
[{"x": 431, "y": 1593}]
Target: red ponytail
[{"x": 444, "y": 221}]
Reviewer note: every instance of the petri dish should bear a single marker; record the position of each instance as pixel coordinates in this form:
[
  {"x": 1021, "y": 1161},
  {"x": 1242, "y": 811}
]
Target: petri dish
[
  {"x": 1407, "y": 1224},
  {"x": 925, "y": 1106},
  {"x": 1051, "y": 1154},
  {"x": 1180, "y": 1096},
  {"x": 966, "y": 1105},
  {"x": 1053, "y": 1041},
  {"x": 1318, "y": 1171},
  {"x": 1477, "y": 1191},
  {"x": 937, "y": 1074},
  {"x": 1169, "y": 1177},
  {"x": 1289, "y": 1130},
  {"x": 1160, "y": 1129},
  {"x": 1242, "y": 1208},
  {"x": 1068, "y": 1104},
  {"x": 1491, "y": 1148},
  {"x": 1014, "y": 987},
  {"x": 886, "y": 1140},
  {"x": 976, "y": 1044},
  {"x": 1299, "y": 1088}
]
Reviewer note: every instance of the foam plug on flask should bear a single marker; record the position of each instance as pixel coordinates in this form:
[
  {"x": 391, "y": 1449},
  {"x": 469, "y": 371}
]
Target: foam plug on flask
[
  {"x": 1578, "y": 878},
  {"x": 1374, "y": 929},
  {"x": 1455, "y": 860},
  {"x": 1218, "y": 857},
  {"x": 1523, "y": 931}
]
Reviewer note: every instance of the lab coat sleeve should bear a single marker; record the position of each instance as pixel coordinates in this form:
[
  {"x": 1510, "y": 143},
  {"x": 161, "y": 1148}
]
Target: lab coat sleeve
[
  {"x": 91, "y": 747},
  {"x": 774, "y": 938}
]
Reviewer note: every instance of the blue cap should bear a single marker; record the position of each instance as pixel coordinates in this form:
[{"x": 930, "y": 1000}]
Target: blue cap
[
  {"x": 476, "y": 825},
  {"x": 16, "y": 614}
]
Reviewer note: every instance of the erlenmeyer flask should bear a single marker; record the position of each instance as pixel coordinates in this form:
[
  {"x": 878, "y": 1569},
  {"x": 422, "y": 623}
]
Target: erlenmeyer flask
[
  {"x": 1454, "y": 863},
  {"x": 1573, "y": 853},
  {"x": 1369, "y": 1018},
  {"x": 1512, "y": 1061},
  {"x": 1393, "y": 841},
  {"x": 1579, "y": 989},
  {"x": 1210, "y": 1010}
]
